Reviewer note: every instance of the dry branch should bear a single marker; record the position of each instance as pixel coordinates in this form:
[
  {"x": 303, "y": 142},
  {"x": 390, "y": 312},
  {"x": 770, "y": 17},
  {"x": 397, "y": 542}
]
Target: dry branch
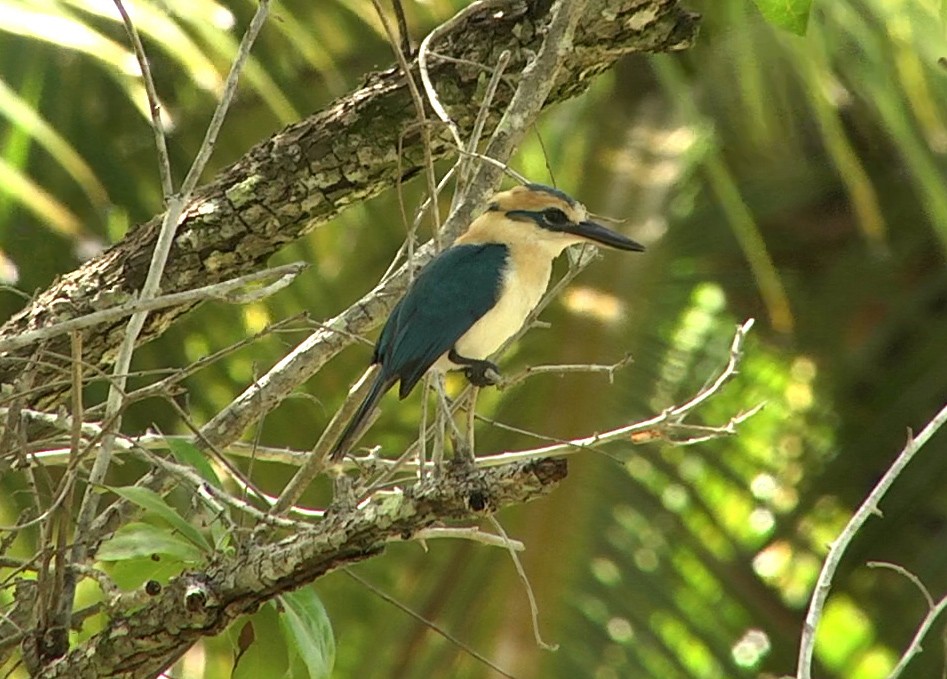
[
  {"x": 202, "y": 602},
  {"x": 305, "y": 174},
  {"x": 867, "y": 509},
  {"x": 298, "y": 179}
]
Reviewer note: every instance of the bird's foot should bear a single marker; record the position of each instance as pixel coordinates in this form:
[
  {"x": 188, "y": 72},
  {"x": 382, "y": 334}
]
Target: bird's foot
[
  {"x": 479, "y": 372},
  {"x": 483, "y": 373}
]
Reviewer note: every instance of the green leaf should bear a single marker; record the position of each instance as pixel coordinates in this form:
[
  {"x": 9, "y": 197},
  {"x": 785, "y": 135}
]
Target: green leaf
[
  {"x": 188, "y": 454},
  {"x": 791, "y": 15},
  {"x": 24, "y": 114},
  {"x": 143, "y": 540},
  {"x": 46, "y": 207},
  {"x": 263, "y": 655},
  {"x": 132, "y": 573},
  {"x": 308, "y": 631},
  {"x": 152, "y": 502}
]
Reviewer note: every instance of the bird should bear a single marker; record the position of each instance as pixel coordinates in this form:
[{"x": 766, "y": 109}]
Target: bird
[{"x": 477, "y": 293}]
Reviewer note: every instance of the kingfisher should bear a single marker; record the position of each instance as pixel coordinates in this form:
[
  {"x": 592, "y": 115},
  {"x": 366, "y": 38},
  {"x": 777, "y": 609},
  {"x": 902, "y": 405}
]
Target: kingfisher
[{"x": 477, "y": 293}]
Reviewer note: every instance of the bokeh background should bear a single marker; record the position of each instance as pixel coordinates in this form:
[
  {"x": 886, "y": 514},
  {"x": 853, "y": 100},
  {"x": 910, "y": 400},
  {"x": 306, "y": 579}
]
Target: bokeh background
[{"x": 796, "y": 180}]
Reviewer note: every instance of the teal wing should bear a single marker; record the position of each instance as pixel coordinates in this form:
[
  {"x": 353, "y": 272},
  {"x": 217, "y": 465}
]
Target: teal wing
[{"x": 449, "y": 295}]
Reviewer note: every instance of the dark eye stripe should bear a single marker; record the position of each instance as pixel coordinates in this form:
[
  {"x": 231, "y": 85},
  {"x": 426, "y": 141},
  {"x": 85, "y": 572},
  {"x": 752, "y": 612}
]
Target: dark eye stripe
[
  {"x": 555, "y": 217},
  {"x": 551, "y": 218}
]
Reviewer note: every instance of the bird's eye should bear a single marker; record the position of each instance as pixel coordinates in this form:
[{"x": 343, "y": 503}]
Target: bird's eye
[{"x": 553, "y": 216}]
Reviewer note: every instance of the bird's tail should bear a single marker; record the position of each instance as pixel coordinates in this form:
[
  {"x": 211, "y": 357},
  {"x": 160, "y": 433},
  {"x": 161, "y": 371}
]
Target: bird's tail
[{"x": 381, "y": 384}]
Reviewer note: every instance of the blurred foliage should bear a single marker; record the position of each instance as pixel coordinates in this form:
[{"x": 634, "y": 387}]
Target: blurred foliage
[{"x": 799, "y": 180}]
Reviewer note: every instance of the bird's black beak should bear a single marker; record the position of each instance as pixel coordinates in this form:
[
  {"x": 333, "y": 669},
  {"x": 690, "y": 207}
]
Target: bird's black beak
[{"x": 599, "y": 234}]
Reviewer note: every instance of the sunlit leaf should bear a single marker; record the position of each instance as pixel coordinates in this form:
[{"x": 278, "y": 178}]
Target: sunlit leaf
[
  {"x": 151, "y": 501},
  {"x": 137, "y": 540},
  {"x": 258, "y": 647},
  {"x": 64, "y": 31},
  {"x": 187, "y": 453},
  {"x": 24, "y": 115},
  {"x": 158, "y": 28},
  {"x": 792, "y": 15},
  {"x": 131, "y": 573},
  {"x": 308, "y": 631},
  {"x": 16, "y": 184}
]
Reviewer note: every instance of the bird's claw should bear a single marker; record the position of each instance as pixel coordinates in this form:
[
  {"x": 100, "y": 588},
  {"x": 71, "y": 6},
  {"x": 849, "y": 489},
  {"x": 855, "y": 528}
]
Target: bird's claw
[{"x": 483, "y": 374}]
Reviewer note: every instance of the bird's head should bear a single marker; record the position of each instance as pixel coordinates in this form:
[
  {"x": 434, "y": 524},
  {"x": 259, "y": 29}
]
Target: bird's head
[{"x": 546, "y": 218}]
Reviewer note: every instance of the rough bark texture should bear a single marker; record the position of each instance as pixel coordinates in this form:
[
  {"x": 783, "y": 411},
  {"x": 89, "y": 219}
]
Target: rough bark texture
[
  {"x": 304, "y": 175},
  {"x": 143, "y": 640}
]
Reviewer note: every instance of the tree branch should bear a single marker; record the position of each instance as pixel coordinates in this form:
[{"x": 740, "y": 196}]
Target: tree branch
[
  {"x": 144, "y": 640},
  {"x": 527, "y": 102},
  {"x": 307, "y": 173},
  {"x": 868, "y": 508}
]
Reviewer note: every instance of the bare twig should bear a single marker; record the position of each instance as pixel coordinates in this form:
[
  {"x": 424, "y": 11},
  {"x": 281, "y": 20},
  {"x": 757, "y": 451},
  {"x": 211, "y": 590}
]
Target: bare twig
[
  {"x": 154, "y": 104},
  {"x": 427, "y": 623},
  {"x": 226, "y": 97},
  {"x": 481, "y": 120},
  {"x": 914, "y": 647},
  {"x": 473, "y": 534},
  {"x": 533, "y": 370},
  {"x": 59, "y": 456},
  {"x": 167, "y": 386},
  {"x": 211, "y": 494},
  {"x": 535, "y": 86},
  {"x": 316, "y": 460},
  {"x": 422, "y": 119},
  {"x": 533, "y": 608},
  {"x": 429, "y": 90},
  {"x": 403, "y": 31},
  {"x": 909, "y": 576},
  {"x": 175, "y": 205},
  {"x": 868, "y": 508},
  {"x": 670, "y": 418},
  {"x": 60, "y": 420},
  {"x": 228, "y": 291}
]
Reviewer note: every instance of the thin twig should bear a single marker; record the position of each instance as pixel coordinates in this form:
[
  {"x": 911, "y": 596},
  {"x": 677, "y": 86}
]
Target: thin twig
[
  {"x": 471, "y": 533},
  {"x": 671, "y": 416},
  {"x": 909, "y": 576},
  {"x": 429, "y": 90},
  {"x": 172, "y": 216},
  {"x": 533, "y": 608},
  {"x": 226, "y": 291},
  {"x": 537, "y": 82},
  {"x": 316, "y": 460},
  {"x": 67, "y": 485},
  {"x": 60, "y": 420},
  {"x": 402, "y": 28},
  {"x": 226, "y": 97},
  {"x": 154, "y": 104},
  {"x": 166, "y": 387},
  {"x": 210, "y": 493},
  {"x": 914, "y": 647},
  {"x": 502, "y": 62},
  {"x": 868, "y": 508},
  {"x": 422, "y": 120},
  {"x": 562, "y": 369},
  {"x": 58, "y": 456},
  {"x": 427, "y": 623}
]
